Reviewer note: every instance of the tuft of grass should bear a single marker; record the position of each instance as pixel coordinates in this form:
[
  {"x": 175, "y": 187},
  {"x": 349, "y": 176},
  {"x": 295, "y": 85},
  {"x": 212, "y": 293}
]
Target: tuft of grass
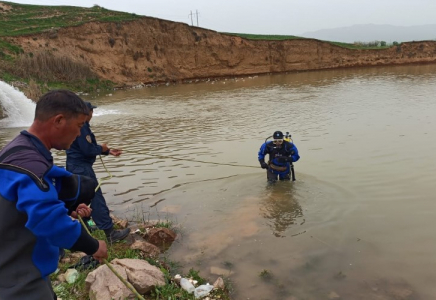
[
  {"x": 172, "y": 290},
  {"x": 195, "y": 275},
  {"x": 73, "y": 291},
  {"x": 141, "y": 215},
  {"x": 6, "y": 75},
  {"x": 7, "y": 50},
  {"x": 47, "y": 66},
  {"x": 339, "y": 276},
  {"x": 228, "y": 264},
  {"x": 265, "y": 275},
  {"x": 164, "y": 224}
]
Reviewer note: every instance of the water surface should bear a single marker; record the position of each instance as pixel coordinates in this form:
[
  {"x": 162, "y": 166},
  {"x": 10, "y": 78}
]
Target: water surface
[{"x": 357, "y": 223}]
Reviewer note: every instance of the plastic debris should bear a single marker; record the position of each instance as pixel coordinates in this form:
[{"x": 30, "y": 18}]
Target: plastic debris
[
  {"x": 202, "y": 290},
  {"x": 71, "y": 275},
  {"x": 187, "y": 285}
]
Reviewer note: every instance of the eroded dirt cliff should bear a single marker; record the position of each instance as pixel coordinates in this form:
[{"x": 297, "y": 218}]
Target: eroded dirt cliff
[{"x": 153, "y": 50}]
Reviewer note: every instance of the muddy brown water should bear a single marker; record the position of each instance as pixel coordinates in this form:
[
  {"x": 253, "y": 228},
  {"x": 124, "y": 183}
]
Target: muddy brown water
[{"x": 357, "y": 224}]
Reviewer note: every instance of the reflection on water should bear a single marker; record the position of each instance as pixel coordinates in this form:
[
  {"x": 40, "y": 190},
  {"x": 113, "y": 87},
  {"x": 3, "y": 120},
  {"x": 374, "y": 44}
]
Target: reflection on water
[
  {"x": 280, "y": 207},
  {"x": 357, "y": 223}
]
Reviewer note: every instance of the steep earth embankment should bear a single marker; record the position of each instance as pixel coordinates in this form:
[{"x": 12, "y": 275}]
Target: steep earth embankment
[{"x": 151, "y": 50}]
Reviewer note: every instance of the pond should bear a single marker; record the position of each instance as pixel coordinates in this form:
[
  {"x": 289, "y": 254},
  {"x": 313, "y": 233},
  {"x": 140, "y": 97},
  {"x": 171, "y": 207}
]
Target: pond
[{"x": 357, "y": 222}]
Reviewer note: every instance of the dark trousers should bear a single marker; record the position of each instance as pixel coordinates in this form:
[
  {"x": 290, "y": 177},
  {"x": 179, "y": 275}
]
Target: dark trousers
[
  {"x": 271, "y": 176},
  {"x": 100, "y": 211}
]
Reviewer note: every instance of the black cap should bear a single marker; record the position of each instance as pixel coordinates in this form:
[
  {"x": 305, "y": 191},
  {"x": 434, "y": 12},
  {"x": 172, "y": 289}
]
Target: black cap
[
  {"x": 90, "y": 106},
  {"x": 278, "y": 135}
]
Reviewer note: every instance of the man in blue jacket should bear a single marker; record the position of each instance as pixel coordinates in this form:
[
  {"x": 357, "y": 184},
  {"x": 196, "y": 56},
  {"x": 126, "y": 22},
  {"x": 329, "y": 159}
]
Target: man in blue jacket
[
  {"x": 80, "y": 158},
  {"x": 281, "y": 154},
  {"x": 34, "y": 195}
]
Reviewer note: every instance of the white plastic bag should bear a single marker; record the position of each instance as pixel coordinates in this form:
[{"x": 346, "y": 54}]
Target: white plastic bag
[
  {"x": 187, "y": 285},
  {"x": 202, "y": 290}
]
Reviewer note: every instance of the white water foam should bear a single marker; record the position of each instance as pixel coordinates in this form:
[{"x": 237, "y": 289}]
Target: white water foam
[
  {"x": 102, "y": 111},
  {"x": 19, "y": 111}
]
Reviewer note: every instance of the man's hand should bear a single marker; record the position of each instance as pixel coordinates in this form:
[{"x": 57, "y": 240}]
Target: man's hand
[
  {"x": 83, "y": 210},
  {"x": 104, "y": 148},
  {"x": 263, "y": 165},
  {"x": 115, "y": 152},
  {"x": 101, "y": 252}
]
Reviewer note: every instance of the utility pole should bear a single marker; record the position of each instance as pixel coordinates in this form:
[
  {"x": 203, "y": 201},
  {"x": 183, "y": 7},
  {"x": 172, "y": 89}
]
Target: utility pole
[
  {"x": 192, "y": 23},
  {"x": 191, "y": 15}
]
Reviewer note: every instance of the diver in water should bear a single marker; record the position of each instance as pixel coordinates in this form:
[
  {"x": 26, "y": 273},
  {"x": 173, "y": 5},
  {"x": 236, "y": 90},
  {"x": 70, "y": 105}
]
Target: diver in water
[{"x": 282, "y": 153}]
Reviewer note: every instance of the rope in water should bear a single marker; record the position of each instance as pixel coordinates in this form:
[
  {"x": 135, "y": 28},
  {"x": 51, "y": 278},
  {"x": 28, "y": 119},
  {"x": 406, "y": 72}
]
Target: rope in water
[
  {"x": 100, "y": 180},
  {"x": 200, "y": 161},
  {"x": 103, "y": 178}
]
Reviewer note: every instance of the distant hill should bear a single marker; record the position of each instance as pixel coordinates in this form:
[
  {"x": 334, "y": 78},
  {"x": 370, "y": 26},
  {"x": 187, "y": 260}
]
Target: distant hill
[{"x": 372, "y": 32}]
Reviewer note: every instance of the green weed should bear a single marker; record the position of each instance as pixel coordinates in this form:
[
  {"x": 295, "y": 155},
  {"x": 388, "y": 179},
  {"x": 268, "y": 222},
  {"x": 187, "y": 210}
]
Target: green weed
[{"x": 266, "y": 275}]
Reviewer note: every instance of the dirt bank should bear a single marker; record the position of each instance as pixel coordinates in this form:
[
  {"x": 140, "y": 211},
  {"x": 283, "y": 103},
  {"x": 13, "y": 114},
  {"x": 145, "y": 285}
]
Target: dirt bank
[{"x": 152, "y": 50}]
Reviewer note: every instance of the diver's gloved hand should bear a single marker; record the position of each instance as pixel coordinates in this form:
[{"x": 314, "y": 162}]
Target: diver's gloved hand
[{"x": 263, "y": 164}]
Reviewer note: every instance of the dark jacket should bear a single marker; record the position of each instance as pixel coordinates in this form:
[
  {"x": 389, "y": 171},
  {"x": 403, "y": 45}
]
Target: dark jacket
[{"x": 85, "y": 148}]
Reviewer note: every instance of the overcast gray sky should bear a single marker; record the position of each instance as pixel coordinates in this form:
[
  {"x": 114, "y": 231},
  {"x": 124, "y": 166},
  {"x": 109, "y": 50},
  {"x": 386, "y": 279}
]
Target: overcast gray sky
[{"x": 286, "y": 17}]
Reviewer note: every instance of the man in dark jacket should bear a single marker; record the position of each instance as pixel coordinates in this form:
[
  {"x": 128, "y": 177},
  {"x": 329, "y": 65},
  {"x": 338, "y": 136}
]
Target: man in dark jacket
[
  {"x": 34, "y": 193},
  {"x": 80, "y": 158},
  {"x": 281, "y": 154}
]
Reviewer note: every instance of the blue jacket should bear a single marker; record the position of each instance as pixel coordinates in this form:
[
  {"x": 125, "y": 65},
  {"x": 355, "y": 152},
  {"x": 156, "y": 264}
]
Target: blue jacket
[
  {"x": 85, "y": 148},
  {"x": 34, "y": 222},
  {"x": 277, "y": 155}
]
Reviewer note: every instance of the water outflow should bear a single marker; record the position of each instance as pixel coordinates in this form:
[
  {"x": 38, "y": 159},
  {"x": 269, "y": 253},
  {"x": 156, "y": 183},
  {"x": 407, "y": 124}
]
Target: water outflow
[{"x": 17, "y": 109}]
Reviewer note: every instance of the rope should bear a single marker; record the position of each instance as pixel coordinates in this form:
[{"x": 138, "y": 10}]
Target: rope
[
  {"x": 103, "y": 178},
  {"x": 203, "y": 162}
]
